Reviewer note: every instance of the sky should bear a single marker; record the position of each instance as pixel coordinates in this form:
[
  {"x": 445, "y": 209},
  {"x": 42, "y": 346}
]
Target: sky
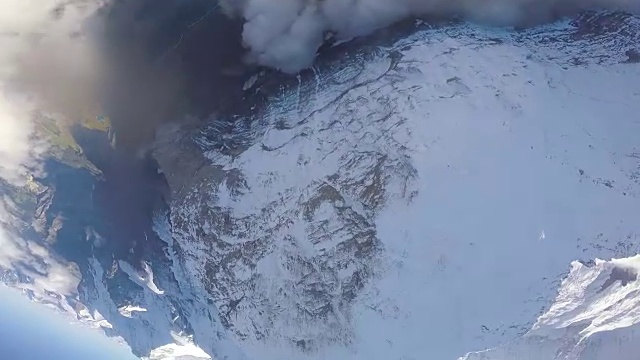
[{"x": 32, "y": 331}]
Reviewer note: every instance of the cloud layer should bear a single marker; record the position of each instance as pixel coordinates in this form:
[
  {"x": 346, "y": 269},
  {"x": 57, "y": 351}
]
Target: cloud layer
[
  {"x": 286, "y": 34},
  {"x": 46, "y": 66}
]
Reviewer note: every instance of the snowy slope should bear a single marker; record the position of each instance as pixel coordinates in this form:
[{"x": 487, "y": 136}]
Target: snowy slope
[
  {"x": 595, "y": 316},
  {"x": 423, "y": 201}
]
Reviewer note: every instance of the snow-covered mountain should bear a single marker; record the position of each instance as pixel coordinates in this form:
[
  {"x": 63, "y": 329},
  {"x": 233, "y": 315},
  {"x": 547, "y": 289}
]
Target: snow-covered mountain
[
  {"x": 431, "y": 192},
  {"x": 595, "y": 316}
]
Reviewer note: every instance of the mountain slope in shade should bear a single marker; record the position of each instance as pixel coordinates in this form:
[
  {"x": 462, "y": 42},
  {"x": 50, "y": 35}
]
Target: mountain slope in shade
[{"x": 421, "y": 198}]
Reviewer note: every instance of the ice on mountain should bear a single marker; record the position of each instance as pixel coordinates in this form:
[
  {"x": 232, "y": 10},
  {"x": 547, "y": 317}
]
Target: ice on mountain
[{"x": 145, "y": 281}]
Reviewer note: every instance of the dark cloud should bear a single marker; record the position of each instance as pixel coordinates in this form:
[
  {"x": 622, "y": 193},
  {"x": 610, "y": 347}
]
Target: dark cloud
[{"x": 167, "y": 59}]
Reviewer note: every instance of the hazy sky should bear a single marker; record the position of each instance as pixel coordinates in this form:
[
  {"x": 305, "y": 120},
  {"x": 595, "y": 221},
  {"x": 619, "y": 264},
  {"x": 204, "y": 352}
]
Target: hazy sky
[{"x": 32, "y": 331}]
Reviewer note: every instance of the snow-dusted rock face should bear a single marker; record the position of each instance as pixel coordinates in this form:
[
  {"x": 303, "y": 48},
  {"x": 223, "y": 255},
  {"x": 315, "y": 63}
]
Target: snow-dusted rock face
[{"x": 425, "y": 200}]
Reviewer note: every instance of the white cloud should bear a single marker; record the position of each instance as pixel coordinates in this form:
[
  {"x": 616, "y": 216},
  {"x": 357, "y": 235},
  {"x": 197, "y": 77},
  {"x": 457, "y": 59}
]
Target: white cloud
[
  {"x": 44, "y": 67},
  {"x": 287, "y": 33},
  {"x": 18, "y": 150},
  {"x": 48, "y": 273}
]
